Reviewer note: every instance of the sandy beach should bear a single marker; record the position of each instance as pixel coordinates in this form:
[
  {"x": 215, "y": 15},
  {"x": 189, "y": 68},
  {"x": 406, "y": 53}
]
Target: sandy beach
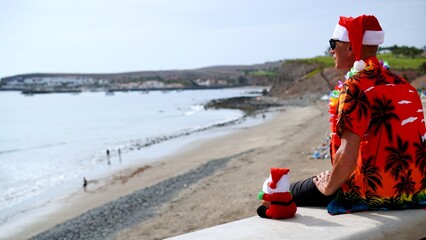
[
  {"x": 230, "y": 194},
  {"x": 284, "y": 140}
]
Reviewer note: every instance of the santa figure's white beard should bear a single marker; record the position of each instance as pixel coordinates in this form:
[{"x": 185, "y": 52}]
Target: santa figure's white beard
[{"x": 283, "y": 185}]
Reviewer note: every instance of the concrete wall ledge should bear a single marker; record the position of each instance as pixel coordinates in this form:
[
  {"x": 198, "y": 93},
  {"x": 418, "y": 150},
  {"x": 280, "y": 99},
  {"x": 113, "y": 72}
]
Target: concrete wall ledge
[{"x": 316, "y": 223}]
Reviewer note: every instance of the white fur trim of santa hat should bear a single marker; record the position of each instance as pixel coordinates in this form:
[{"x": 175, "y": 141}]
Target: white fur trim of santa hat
[{"x": 370, "y": 37}]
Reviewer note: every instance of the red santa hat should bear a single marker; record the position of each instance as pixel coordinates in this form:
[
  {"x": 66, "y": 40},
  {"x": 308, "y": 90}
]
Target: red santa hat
[
  {"x": 362, "y": 30},
  {"x": 276, "y": 175}
]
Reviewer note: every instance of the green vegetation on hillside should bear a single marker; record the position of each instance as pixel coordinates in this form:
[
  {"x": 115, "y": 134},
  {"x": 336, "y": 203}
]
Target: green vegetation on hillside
[
  {"x": 402, "y": 51},
  {"x": 406, "y": 63},
  {"x": 403, "y": 63},
  {"x": 313, "y": 72}
]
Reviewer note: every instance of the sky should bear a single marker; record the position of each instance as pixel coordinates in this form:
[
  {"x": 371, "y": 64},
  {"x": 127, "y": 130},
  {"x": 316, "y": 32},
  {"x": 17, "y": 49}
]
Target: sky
[{"x": 113, "y": 36}]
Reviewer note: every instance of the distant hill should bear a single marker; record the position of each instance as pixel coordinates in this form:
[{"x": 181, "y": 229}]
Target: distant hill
[{"x": 214, "y": 76}]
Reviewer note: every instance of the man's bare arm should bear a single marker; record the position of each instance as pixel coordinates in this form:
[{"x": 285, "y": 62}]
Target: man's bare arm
[{"x": 344, "y": 163}]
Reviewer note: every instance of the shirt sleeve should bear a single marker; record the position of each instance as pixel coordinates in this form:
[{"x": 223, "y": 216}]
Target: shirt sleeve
[{"x": 354, "y": 110}]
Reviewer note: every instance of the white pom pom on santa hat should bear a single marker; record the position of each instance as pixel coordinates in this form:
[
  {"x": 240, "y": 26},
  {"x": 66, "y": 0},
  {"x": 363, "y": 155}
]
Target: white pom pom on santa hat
[
  {"x": 362, "y": 30},
  {"x": 276, "y": 175},
  {"x": 359, "y": 65}
]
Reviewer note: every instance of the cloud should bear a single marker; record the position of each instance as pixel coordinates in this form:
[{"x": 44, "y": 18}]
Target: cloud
[
  {"x": 369, "y": 89},
  {"x": 408, "y": 120},
  {"x": 404, "y": 102}
]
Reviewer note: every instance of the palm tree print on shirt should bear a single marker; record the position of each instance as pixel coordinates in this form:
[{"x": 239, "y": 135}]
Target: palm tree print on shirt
[
  {"x": 383, "y": 112},
  {"x": 421, "y": 158},
  {"x": 371, "y": 176},
  {"x": 398, "y": 160},
  {"x": 405, "y": 185},
  {"x": 356, "y": 99}
]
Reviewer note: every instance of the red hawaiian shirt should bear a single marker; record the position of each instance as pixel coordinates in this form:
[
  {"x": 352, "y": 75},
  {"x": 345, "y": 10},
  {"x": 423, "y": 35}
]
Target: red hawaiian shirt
[{"x": 386, "y": 112}]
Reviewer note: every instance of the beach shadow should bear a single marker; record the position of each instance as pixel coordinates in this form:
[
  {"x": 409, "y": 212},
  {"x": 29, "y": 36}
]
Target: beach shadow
[
  {"x": 310, "y": 221},
  {"x": 387, "y": 216}
]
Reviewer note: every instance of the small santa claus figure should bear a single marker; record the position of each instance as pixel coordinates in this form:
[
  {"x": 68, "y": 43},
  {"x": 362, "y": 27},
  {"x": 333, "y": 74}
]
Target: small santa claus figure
[{"x": 276, "y": 191}]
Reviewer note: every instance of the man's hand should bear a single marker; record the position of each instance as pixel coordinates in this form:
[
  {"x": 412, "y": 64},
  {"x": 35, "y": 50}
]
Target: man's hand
[
  {"x": 321, "y": 181},
  {"x": 266, "y": 204}
]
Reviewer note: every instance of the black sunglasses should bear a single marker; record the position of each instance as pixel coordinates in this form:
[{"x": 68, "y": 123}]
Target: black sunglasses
[{"x": 333, "y": 43}]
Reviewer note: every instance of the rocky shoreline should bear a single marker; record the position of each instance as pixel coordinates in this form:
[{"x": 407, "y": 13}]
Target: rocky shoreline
[
  {"x": 249, "y": 105},
  {"x": 107, "y": 220},
  {"x": 254, "y": 105}
]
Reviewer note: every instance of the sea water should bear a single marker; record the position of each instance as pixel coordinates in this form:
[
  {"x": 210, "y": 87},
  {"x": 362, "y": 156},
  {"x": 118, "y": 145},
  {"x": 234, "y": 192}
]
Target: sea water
[{"x": 49, "y": 142}]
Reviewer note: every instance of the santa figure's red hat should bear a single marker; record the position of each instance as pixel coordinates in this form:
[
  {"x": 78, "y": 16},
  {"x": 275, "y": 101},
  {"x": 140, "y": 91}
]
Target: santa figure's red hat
[
  {"x": 276, "y": 175},
  {"x": 362, "y": 30}
]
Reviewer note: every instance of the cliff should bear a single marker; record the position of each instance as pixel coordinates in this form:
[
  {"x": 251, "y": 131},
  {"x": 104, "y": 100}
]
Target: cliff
[
  {"x": 302, "y": 78},
  {"x": 298, "y": 78}
]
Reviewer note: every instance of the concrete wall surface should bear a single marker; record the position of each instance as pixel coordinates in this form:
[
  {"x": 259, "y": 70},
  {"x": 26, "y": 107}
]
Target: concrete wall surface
[{"x": 316, "y": 223}]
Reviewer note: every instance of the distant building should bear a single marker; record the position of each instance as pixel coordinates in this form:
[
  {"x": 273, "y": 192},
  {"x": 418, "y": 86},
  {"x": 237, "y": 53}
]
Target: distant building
[{"x": 21, "y": 82}]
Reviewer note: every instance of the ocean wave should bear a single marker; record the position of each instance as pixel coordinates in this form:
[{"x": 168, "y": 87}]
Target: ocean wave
[
  {"x": 194, "y": 109},
  {"x": 137, "y": 144},
  {"x": 31, "y": 148}
]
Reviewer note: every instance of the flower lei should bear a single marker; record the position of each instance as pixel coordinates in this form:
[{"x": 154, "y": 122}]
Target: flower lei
[
  {"x": 334, "y": 98},
  {"x": 360, "y": 65}
]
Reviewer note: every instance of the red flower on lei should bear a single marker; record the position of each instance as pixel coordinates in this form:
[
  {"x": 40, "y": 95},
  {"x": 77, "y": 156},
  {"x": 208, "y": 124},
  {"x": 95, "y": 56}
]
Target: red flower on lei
[{"x": 333, "y": 99}]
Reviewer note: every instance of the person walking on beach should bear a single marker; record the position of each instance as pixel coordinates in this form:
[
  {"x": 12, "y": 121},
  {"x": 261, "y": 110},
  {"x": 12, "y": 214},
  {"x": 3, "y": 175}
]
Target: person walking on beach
[
  {"x": 378, "y": 135},
  {"x": 107, "y": 153},
  {"x": 119, "y": 154},
  {"x": 84, "y": 183}
]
